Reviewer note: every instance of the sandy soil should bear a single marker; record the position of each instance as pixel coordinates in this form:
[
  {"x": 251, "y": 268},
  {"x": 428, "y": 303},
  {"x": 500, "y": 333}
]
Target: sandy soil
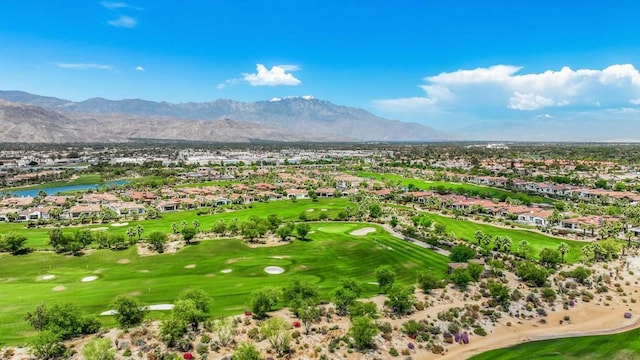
[
  {"x": 59, "y": 288},
  {"x": 363, "y": 231},
  {"x": 124, "y": 261}
]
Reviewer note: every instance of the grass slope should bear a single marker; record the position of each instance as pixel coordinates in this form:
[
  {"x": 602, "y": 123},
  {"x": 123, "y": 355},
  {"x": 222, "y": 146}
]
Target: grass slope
[
  {"x": 286, "y": 209},
  {"x": 480, "y": 190},
  {"x": 466, "y": 229},
  {"x": 331, "y": 254},
  {"x": 604, "y": 347}
]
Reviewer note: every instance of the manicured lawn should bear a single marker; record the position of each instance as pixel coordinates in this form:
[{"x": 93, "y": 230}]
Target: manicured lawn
[
  {"x": 467, "y": 229},
  {"x": 324, "y": 259},
  {"x": 479, "y": 190},
  {"x": 604, "y": 347},
  {"x": 286, "y": 209}
]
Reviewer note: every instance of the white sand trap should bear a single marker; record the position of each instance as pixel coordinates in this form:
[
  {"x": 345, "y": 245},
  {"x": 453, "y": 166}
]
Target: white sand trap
[
  {"x": 373, "y": 283},
  {"x": 363, "y": 231},
  {"x": 158, "y": 307},
  {"x": 89, "y": 278},
  {"x": 190, "y": 266},
  {"x": 120, "y": 224},
  {"x": 144, "y": 271},
  {"x": 273, "y": 270},
  {"x": 59, "y": 288},
  {"x": 123, "y": 261},
  {"x": 99, "y": 229},
  {"x": 280, "y": 257},
  {"x": 311, "y": 210},
  {"x": 311, "y": 232},
  {"x": 48, "y": 277},
  {"x": 226, "y": 271},
  {"x": 323, "y": 209}
]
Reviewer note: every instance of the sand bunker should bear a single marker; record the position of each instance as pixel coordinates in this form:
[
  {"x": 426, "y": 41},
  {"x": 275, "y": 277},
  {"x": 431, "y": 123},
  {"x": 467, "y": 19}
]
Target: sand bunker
[
  {"x": 59, "y": 288},
  {"x": 310, "y": 210},
  {"x": 323, "y": 209},
  {"x": 373, "y": 283},
  {"x": 99, "y": 229},
  {"x": 226, "y": 271},
  {"x": 89, "y": 278},
  {"x": 144, "y": 271},
  {"x": 190, "y": 266},
  {"x": 48, "y": 277},
  {"x": 123, "y": 261},
  {"x": 280, "y": 257},
  {"x": 363, "y": 231},
  {"x": 120, "y": 224},
  {"x": 273, "y": 270},
  {"x": 157, "y": 307}
]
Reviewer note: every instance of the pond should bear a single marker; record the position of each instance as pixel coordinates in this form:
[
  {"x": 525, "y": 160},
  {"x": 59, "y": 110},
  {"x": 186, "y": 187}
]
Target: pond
[{"x": 64, "y": 189}]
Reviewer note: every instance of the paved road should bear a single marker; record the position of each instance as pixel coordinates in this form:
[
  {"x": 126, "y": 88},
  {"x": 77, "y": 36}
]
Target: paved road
[{"x": 415, "y": 241}]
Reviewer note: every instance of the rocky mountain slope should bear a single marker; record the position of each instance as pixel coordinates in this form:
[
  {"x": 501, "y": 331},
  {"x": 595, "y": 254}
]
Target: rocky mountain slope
[{"x": 288, "y": 119}]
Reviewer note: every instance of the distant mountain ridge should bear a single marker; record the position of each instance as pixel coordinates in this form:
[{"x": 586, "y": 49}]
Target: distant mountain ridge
[{"x": 286, "y": 119}]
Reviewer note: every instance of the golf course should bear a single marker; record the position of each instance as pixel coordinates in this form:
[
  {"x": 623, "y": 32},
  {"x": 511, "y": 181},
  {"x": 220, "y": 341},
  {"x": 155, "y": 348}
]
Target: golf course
[{"x": 227, "y": 269}]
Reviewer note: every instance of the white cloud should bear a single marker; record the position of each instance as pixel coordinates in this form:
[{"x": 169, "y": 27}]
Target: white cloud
[
  {"x": 124, "y": 22},
  {"x": 504, "y": 88},
  {"x": 84, "y": 66},
  {"x": 276, "y": 76},
  {"x": 139, "y": 68},
  {"x": 227, "y": 82},
  {"x": 530, "y": 101},
  {"x": 112, "y": 5}
]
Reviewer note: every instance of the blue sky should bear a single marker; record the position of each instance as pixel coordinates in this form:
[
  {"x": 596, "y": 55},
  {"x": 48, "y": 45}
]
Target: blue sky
[{"x": 449, "y": 64}]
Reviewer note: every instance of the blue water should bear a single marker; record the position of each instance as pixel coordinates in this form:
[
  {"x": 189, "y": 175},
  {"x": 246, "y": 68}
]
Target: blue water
[{"x": 55, "y": 190}]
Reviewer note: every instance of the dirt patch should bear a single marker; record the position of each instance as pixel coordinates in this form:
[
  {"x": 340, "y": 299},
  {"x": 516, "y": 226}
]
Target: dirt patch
[
  {"x": 363, "y": 231},
  {"x": 231, "y": 261},
  {"x": 124, "y": 261},
  {"x": 59, "y": 288}
]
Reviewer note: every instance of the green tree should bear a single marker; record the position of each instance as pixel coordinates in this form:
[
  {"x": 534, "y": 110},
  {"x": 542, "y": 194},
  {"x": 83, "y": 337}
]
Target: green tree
[
  {"x": 188, "y": 311},
  {"x": 302, "y": 229},
  {"x": 375, "y": 211},
  {"x": 128, "y": 311},
  {"x": 298, "y": 293},
  {"x": 131, "y": 233},
  {"x": 263, "y": 301},
  {"x": 532, "y": 273},
  {"x": 219, "y": 227},
  {"x": 172, "y": 330},
  {"x": 47, "y": 345},
  {"x": 157, "y": 240},
  {"x": 363, "y": 308},
  {"x": 461, "y": 253},
  {"x": 246, "y": 351},
  {"x": 196, "y": 225},
  {"x": 39, "y": 318},
  {"x": 386, "y": 277},
  {"x": 550, "y": 257},
  {"x": 225, "y": 330},
  {"x": 400, "y": 299},
  {"x": 188, "y": 233},
  {"x": 308, "y": 314},
  {"x": 99, "y": 349},
  {"x": 363, "y": 329},
  {"x": 428, "y": 281},
  {"x": 461, "y": 277},
  {"x": 284, "y": 232},
  {"x": 14, "y": 243},
  {"x": 345, "y": 295},
  {"x": 525, "y": 250},
  {"x": 139, "y": 231}
]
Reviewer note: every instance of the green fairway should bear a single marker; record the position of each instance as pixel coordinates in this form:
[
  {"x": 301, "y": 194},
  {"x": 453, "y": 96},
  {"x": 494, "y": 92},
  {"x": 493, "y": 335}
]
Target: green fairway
[
  {"x": 482, "y": 191},
  {"x": 604, "y": 347},
  {"x": 324, "y": 259},
  {"x": 466, "y": 229},
  {"x": 287, "y": 210}
]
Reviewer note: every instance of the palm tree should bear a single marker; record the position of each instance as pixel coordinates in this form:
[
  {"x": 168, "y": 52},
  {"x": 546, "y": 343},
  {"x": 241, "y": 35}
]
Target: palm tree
[
  {"x": 131, "y": 232},
  {"x": 564, "y": 249},
  {"x": 486, "y": 240},
  {"x": 478, "y": 236},
  {"x": 183, "y": 224},
  {"x": 139, "y": 231},
  {"x": 503, "y": 243},
  {"x": 174, "y": 228}
]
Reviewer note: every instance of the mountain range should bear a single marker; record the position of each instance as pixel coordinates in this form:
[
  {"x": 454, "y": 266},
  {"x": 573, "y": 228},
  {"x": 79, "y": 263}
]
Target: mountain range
[{"x": 26, "y": 117}]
